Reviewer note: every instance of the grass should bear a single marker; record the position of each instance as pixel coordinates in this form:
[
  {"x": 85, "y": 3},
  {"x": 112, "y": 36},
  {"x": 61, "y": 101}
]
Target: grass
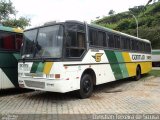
[{"x": 155, "y": 73}]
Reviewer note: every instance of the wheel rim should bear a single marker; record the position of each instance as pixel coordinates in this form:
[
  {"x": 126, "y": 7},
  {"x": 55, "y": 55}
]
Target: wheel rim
[{"x": 86, "y": 86}]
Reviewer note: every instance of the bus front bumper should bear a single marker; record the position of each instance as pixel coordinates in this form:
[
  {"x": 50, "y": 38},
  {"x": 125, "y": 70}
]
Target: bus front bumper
[{"x": 59, "y": 85}]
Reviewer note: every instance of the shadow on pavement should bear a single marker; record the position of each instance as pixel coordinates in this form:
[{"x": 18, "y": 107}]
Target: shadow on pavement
[
  {"x": 111, "y": 87},
  {"x": 55, "y": 97},
  {"x": 13, "y": 91}
]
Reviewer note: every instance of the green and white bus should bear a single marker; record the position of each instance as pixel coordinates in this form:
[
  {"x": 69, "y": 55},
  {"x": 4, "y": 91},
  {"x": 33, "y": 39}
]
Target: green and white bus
[
  {"x": 156, "y": 58},
  {"x": 71, "y": 55},
  {"x": 10, "y": 43}
]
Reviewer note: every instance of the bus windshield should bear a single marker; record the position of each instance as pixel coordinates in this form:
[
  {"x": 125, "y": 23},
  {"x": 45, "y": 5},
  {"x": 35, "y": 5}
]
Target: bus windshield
[{"x": 45, "y": 42}]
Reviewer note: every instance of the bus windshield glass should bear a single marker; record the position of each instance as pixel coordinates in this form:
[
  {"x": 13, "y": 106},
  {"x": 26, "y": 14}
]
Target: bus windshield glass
[
  {"x": 29, "y": 40},
  {"x": 43, "y": 43}
]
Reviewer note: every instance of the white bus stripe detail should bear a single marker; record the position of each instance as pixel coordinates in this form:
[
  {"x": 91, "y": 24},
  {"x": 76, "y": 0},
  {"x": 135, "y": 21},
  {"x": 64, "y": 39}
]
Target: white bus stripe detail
[{"x": 5, "y": 81}]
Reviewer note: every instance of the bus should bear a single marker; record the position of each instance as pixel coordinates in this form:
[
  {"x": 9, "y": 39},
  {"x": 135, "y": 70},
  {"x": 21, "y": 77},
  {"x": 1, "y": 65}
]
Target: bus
[
  {"x": 75, "y": 56},
  {"x": 10, "y": 43},
  {"x": 156, "y": 57}
]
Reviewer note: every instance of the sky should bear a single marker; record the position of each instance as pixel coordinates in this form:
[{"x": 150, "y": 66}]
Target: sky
[{"x": 41, "y": 11}]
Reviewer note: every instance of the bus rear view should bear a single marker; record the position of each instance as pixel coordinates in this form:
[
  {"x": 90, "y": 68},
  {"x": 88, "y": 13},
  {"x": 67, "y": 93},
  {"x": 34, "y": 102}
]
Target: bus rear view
[{"x": 10, "y": 44}]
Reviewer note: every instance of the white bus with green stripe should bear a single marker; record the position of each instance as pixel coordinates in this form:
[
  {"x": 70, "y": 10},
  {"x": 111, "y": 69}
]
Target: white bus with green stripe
[
  {"x": 68, "y": 56},
  {"x": 156, "y": 57},
  {"x": 10, "y": 43}
]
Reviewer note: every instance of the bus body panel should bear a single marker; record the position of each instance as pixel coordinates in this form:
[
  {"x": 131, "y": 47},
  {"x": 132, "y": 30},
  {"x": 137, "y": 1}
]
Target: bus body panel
[
  {"x": 156, "y": 58},
  {"x": 104, "y": 63},
  {"x": 10, "y": 42},
  {"x": 5, "y": 82},
  {"x": 109, "y": 54},
  {"x": 8, "y": 66}
]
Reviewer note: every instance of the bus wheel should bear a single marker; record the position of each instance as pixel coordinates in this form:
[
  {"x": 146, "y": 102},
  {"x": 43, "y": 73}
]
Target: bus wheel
[
  {"x": 138, "y": 73},
  {"x": 86, "y": 86}
]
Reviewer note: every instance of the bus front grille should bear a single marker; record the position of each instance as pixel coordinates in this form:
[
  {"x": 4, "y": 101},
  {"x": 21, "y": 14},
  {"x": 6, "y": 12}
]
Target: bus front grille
[{"x": 35, "y": 84}]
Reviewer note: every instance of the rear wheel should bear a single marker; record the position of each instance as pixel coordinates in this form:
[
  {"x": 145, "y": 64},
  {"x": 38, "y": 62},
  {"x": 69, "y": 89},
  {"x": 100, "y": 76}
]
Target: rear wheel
[
  {"x": 138, "y": 73},
  {"x": 86, "y": 86}
]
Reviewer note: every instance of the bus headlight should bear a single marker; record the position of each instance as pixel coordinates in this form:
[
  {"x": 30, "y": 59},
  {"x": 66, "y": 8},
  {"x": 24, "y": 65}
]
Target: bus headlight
[
  {"x": 53, "y": 76},
  {"x": 50, "y": 76}
]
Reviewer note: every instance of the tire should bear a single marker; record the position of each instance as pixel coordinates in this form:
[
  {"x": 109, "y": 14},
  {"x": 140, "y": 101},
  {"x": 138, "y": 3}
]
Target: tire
[
  {"x": 138, "y": 73},
  {"x": 86, "y": 86}
]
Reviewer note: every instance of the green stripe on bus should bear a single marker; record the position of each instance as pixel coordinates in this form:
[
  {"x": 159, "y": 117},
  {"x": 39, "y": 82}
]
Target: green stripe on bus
[
  {"x": 34, "y": 67},
  {"x": 6, "y": 28},
  {"x": 16, "y": 55},
  {"x": 40, "y": 67},
  {"x": 156, "y": 52},
  {"x": 122, "y": 64},
  {"x": 114, "y": 64},
  {"x": 8, "y": 64},
  {"x": 8, "y": 60},
  {"x": 10, "y": 29}
]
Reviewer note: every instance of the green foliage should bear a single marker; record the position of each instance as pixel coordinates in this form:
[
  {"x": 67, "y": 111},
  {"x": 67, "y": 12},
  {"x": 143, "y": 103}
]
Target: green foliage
[
  {"x": 148, "y": 21},
  {"x": 111, "y": 26},
  {"x": 6, "y": 10},
  {"x": 137, "y": 9},
  {"x": 113, "y": 18},
  {"x": 21, "y": 22},
  {"x": 152, "y": 9},
  {"x": 111, "y": 12},
  {"x": 155, "y": 73},
  {"x": 123, "y": 24}
]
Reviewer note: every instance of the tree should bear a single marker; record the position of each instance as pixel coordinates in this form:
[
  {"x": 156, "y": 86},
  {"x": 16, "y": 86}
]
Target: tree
[
  {"x": 149, "y": 1},
  {"x": 6, "y": 11},
  {"x": 111, "y": 12},
  {"x": 21, "y": 22}
]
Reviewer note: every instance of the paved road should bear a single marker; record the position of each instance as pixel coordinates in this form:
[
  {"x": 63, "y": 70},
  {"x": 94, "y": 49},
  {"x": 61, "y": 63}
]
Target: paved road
[{"x": 124, "y": 96}]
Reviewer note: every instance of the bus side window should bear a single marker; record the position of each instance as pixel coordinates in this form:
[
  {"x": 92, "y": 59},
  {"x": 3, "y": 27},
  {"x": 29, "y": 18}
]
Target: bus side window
[
  {"x": 106, "y": 41},
  {"x": 117, "y": 41},
  {"x": 93, "y": 37},
  {"x": 71, "y": 38},
  {"x": 81, "y": 39},
  {"x": 125, "y": 43},
  {"x": 128, "y": 44},
  {"x": 101, "y": 39},
  {"x": 137, "y": 46},
  {"x": 134, "y": 44},
  {"x": 75, "y": 41},
  {"x": 111, "y": 42},
  {"x": 122, "y": 42},
  {"x": 143, "y": 46},
  {"x": 148, "y": 48}
]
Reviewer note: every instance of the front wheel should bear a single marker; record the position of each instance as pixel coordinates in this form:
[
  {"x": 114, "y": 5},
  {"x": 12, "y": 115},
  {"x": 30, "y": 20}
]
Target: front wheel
[
  {"x": 86, "y": 86},
  {"x": 138, "y": 73}
]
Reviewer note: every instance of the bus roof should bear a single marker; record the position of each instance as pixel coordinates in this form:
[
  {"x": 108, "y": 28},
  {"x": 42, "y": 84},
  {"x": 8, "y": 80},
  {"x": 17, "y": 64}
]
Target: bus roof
[
  {"x": 10, "y": 29},
  {"x": 95, "y": 26}
]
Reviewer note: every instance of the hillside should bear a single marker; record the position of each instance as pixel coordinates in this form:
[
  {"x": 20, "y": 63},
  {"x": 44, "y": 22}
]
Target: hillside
[{"x": 148, "y": 21}]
